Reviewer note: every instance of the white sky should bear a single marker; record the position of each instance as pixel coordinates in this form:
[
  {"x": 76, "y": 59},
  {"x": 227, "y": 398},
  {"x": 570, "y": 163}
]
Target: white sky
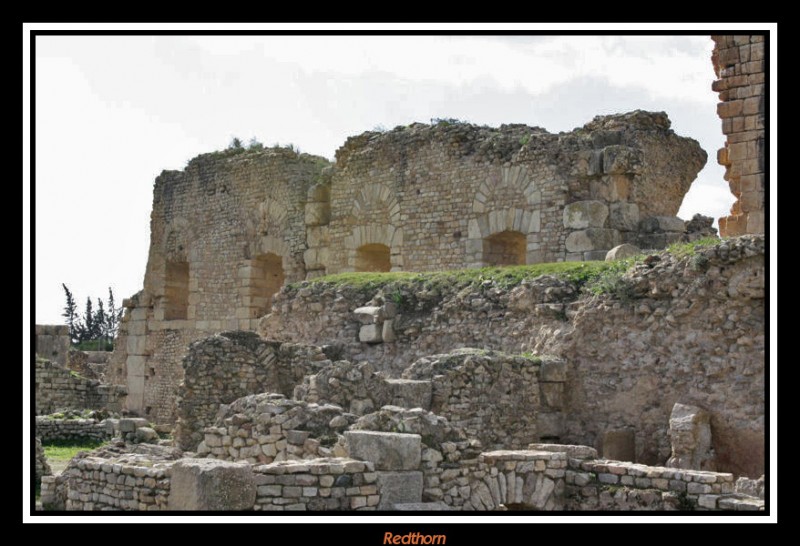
[{"x": 112, "y": 112}]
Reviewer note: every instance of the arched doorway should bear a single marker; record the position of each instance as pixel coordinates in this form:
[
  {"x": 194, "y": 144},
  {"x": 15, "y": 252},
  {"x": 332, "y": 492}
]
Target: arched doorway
[
  {"x": 505, "y": 248},
  {"x": 373, "y": 258},
  {"x": 176, "y": 291},
  {"x": 266, "y": 279}
]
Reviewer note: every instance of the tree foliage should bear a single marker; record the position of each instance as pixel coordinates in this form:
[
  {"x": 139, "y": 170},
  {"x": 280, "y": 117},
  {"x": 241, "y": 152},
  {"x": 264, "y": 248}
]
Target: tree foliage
[{"x": 99, "y": 323}]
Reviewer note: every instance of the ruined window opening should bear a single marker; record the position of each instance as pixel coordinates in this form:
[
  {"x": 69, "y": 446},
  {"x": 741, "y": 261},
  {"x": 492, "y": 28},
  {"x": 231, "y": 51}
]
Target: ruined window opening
[
  {"x": 177, "y": 291},
  {"x": 505, "y": 248},
  {"x": 373, "y": 258},
  {"x": 266, "y": 280}
]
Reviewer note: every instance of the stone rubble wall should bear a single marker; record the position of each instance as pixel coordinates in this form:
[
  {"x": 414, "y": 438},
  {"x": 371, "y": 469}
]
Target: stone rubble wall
[
  {"x": 687, "y": 326},
  {"x": 615, "y": 485},
  {"x": 319, "y": 484},
  {"x": 52, "y": 343},
  {"x": 492, "y": 397},
  {"x": 234, "y": 225},
  {"x": 739, "y": 63},
  {"x": 41, "y": 468},
  {"x": 265, "y": 428},
  {"x": 50, "y": 430},
  {"x": 59, "y": 388},
  {"x": 98, "y": 484},
  {"x": 228, "y": 366}
]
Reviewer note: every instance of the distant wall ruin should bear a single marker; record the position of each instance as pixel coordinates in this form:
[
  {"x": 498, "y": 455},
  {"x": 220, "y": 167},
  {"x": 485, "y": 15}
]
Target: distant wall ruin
[{"x": 739, "y": 63}]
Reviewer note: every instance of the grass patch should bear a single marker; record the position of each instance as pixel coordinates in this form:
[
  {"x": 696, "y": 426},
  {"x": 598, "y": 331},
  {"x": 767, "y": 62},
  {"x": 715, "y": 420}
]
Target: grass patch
[
  {"x": 61, "y": 451},
  {"x": 683, "y": 250},
  {"x": 503, "y": 277}
]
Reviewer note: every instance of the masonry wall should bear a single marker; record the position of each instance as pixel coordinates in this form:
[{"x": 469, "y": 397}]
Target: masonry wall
[
  {"x": 220, "y": 229},
  {"x": 232, "y": 227},
  {"x": 690, "y": 328},
  {"x": 49, "y": 430},
  {"x": 52, "y": 343},
  {"x": 58, "y": 388},
  {"x": 225, "y": 367},
  {"x": 739, "y": 63}
]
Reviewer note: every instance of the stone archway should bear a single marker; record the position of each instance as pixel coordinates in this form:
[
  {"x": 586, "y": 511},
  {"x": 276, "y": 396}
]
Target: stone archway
[
  {"x": 505, "y": 248},
  {"x": 373, "y": 258},
  {"x": 503, "y": 206},
  {"x": 367, "y": 241}
]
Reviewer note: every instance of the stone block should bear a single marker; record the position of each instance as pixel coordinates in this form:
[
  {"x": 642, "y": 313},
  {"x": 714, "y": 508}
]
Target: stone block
[
  {"x": 399, "y": 487},
  {"x": 572, "y": 451},
  {"x": 208, "y": 484},
  {"x": 131, "y": 424},
  {"x": 654, "y": 224},
  {"x": 368, "y": 314},
  {"x": 422, "y": 507},
  {"x": 623, "y": 216},
  {"x": 620, "y": 445},
  {"x": 387, "y": 331},
  {"x": 592, "y": 239},
  {"x": 387, "y": 450},
  {"x": 410, "y": 393},
  {"x": 585, "y": 214},
  {"x": 550, "y": 425},
  {"x": 620, "y": 252},
  {"x": 690, "y": 436},
  {"x": 370, "y": 333}
]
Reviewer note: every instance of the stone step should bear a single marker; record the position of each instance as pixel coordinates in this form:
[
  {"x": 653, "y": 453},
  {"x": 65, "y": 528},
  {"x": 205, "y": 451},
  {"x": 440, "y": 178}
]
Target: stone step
[{"x": 421, "y": 507}]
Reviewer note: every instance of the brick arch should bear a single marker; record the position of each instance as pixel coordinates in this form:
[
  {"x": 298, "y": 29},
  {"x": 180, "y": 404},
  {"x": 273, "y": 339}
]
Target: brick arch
[
  {"x": 376, "y": 199},
  {"x": 375, "y": 234},
  {"x": 512, "y": 184},
  {"x": 495, "y": 222}
]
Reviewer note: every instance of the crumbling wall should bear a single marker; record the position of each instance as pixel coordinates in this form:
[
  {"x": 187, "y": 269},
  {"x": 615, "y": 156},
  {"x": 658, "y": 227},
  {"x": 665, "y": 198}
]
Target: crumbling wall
[
  {"x": 52, "y": 343},
  {"x": 439, "y": 196},
  {"x": 41, "y": 468},
  {"x": 50, "y": 429},
  {"x": 688, "y": 326},
  {"x": 223, "y": 232},
  {"x": 491, "y": 397},
  {"x": 739, "y": 63},
  {"x": 58, "y": 388},
  {"x": 228, "y": 366}
]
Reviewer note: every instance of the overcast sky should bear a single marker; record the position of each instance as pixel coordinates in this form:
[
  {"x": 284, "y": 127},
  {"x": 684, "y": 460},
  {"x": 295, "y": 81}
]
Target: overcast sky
[{"x": 113, "y": 112}]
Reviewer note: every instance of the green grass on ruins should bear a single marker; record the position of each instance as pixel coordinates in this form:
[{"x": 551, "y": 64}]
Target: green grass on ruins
[
  {"x": 584, "y": 274},
  {"x": 60, "y": 452}
]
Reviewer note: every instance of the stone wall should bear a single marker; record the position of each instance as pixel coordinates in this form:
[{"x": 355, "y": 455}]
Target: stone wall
[
  {"x": 321, "y": 484},
  {"x": 41, "y": 468},
  {"x": 228, "y": 366},
  {"x": 689, "y": 326},
  {"x": 58, "y": 389},
  {"x": 622, "y": 486},
  {"x": 52, "y": 343},
  {"x": 739, "y": 63},
  {"x": 49, "y": 429},
  {"x": 233, "y": 226}
]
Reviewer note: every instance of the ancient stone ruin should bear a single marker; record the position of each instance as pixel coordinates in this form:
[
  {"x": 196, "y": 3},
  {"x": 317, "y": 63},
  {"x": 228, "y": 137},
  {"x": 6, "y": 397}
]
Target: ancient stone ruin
[{"x": 246, "y": 378}]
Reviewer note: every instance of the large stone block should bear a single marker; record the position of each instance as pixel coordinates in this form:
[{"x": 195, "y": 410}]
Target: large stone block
[
  {"x": 553, "y": 370},
  {"x": 620, "y": 252},
  {"x": 585, "y": 214},
  {"x": 317, "y": 214},
  {"x": 387, "y": 450},
  {"x": 208, "y": 484},
  {"x": 655, "y": 224},
  {"x": 690, "y": 435},
  {"x": 592, "y": 239},
  {"x": 370, "y": 333},
  {"x": 399, "y": 487},
  {"x": 624, "y": 216}
]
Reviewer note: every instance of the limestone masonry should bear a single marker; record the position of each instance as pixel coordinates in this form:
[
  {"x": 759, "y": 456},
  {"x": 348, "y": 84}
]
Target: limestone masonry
[
  {"x": 739, "y": 64},
  {"x": 245, "y": 377},
  {"x": 232, "y": 228}
]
